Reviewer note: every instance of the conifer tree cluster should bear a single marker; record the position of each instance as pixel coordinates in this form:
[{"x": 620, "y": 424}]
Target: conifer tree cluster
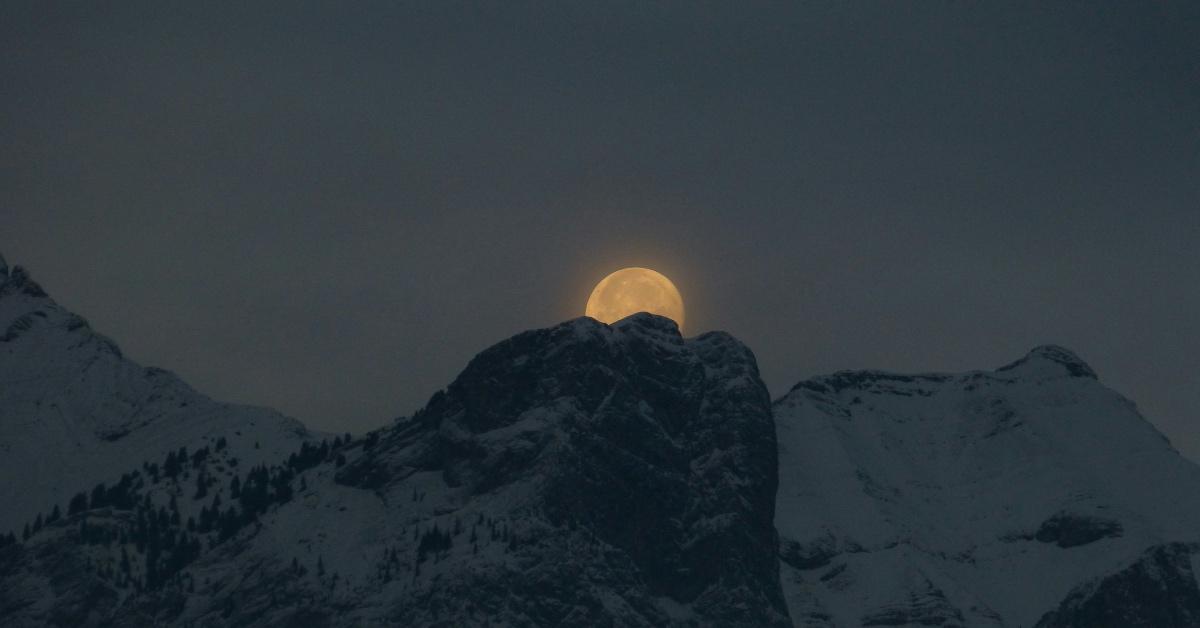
[{"x": 155, "y": 542}]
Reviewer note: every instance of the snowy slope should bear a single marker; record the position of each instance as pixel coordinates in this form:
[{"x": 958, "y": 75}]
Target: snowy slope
[
  {"x": 974, "y": 499},
  {"x": 74, "y": 412}
]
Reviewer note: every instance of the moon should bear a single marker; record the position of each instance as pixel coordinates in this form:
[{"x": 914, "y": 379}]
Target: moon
[{"x": 632, "y": 290}]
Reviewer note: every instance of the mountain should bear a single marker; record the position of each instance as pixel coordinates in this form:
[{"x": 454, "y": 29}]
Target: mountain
[
  {"x": 1031, "y": 494},
  {"x": 593, "y": 475},
  {"x": 584, "y": 474},
  {"x": 75, "y": 412}
]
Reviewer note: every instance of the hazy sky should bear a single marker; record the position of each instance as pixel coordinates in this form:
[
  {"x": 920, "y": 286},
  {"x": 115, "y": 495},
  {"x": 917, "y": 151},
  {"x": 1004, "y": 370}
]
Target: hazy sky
[{"x": 330, "y": 208}]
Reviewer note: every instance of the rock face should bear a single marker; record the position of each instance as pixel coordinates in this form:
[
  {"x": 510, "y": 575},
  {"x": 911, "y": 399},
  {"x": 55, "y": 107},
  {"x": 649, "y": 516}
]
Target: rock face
[
  {"x": 1159, "y": 589},
  {"x": 584, "y": 474},
  {"x": 75, "y": 412},
  {"x": 652, "y": 456},
  {"x": 982, "y": 498}
]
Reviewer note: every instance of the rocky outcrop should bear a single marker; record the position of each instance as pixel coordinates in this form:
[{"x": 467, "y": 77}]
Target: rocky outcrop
[
  {"x": 1158, "y": 590},
  {"x": 1070, "y": 530},
  {"x": 655, "y": 452}
]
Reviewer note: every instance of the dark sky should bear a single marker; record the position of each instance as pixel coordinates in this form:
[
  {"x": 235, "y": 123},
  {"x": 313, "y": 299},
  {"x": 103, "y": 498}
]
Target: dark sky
[{"x": 330, "y": 209}]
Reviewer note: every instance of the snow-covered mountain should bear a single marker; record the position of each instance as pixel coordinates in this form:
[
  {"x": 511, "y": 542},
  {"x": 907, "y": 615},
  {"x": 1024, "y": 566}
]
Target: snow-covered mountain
[
  {"x": 74, "y": 412},
  {"x": 588, "y": 475},
  {"x": 980, "y": 499},
  {"x": 581, "y": 475}
]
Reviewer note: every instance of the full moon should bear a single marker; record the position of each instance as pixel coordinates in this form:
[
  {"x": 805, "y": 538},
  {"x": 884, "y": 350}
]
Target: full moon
[{"x": 632, "y": 290}]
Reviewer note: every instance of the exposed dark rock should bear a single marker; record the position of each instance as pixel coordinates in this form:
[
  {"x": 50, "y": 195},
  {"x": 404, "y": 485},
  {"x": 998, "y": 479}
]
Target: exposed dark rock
[
  {"x": 18, "y": 280},
  {"x": 814, "y": 554},
  {"x": 928, "y": 607},
  {"x": 47, "y": 580},
  {"x": 660, "y": 448},
  {"x": 845, "y": 380},
  {"x": 1159, "y": 591},
  {"x": 1070, "y": 530},
  {"x": 1070, "y": 362}
]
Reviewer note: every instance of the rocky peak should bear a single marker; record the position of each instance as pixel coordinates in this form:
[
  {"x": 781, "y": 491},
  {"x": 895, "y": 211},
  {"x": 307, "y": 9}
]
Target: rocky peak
[
  {"x": 1050, "y": 361},
  {"x": 3, "y": 269},
  {"x": 659, "y": 448},
  {"x": 17, "y": 280},
  {"x": 653, "y": 325}
]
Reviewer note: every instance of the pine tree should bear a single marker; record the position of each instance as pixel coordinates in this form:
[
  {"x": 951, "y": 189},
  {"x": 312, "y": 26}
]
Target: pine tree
[
  {"x": 78, "y": 503},
  {"x": 98, "y": 497},
  {"x": 201, "y": 485},
  {"x": 171, "y": 465}
]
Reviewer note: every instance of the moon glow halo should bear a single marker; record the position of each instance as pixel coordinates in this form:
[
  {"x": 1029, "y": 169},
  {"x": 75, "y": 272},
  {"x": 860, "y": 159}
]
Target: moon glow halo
[{"x": 632, "y": 290}]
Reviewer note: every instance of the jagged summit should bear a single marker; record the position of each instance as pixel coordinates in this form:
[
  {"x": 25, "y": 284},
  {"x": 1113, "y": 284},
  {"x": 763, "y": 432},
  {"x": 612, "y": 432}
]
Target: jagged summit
[
  {"x": 658, "y": 449},
  {"x": 647, "y": 321},
  {"x": 17, "y": 280},
  {"x": 1051, "y": 360}
]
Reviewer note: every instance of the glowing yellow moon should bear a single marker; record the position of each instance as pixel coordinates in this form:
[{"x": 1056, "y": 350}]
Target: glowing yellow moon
[{"x": 632, "y": 290}]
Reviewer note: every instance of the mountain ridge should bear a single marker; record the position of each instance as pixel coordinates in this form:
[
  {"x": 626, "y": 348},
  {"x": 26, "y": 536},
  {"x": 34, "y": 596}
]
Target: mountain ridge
[
  {"x": 589, "y": 474},
  {"x": 581, "y": 474},
  {"x": 75, "y": 411},
  {"x": 949, "y": 498}
]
